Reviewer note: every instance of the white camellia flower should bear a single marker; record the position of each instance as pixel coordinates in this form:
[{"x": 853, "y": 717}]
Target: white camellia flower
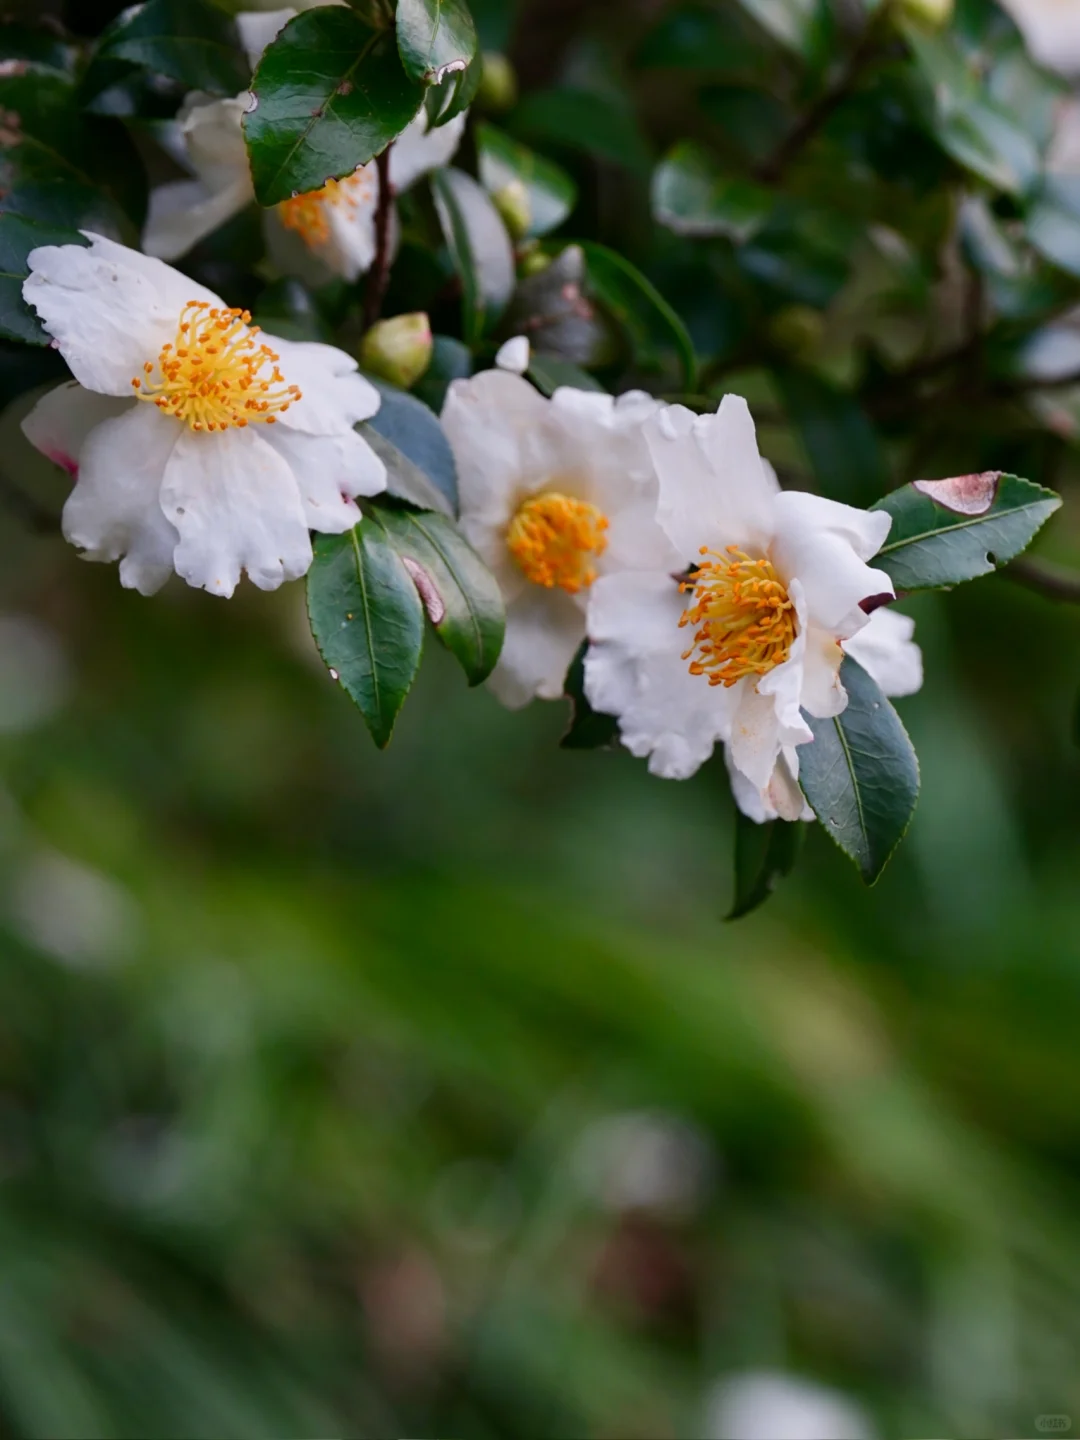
[
  {"x": 1051, "y": 30},
  {"x": 770, "y": 1405},
  {"x": 554, "y": 495},
  {"x": 772, "y": 584},
  {"x": 324, "y": 233},
  {"x": 198, "y": 444}
]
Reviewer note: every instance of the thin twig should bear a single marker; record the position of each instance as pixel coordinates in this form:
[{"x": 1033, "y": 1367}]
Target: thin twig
[
  {"x": 379, "y": 276},
  {"x": 1055, "y": 582},
  {"x": 823, "y": 109}
]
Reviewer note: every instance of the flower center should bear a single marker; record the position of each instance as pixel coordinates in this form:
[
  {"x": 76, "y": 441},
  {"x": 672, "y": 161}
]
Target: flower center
[
  {"x": 307, "y": 214},
  {"x": 743, "y": 617},
  {"x": 554, "y": 540},
  {"x": 214, "y": 374}
]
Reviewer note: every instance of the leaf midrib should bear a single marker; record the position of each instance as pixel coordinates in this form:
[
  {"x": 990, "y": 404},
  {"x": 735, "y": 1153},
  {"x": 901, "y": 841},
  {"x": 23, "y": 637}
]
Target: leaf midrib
[
  {"x": 967, "y": 524},
  {"x": 854, "y": 785},
  {"x": 368, "y": 630}
]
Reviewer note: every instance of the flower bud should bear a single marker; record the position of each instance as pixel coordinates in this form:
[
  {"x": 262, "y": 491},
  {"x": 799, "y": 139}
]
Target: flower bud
[
  {"x": 515, "y": 207},
  {"x": 932, "y": 14},
  {"x": 398, "y": 350},
  {"x": 797, "y": 330},
  {"x": 533, "y": 262},
  {"x": 498, "y": 90}
]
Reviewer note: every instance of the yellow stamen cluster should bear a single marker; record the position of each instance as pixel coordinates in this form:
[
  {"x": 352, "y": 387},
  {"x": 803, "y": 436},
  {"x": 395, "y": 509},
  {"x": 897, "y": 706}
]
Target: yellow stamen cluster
[
  {"x": 743, "y": 618},
  {"x": 307, "y": 214},
  {"x": 215, "y": 375},
  {"x": 554, "y": 540}
]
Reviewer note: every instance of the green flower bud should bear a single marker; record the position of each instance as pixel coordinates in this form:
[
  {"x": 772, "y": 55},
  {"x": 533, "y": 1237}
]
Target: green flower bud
[
  {"x": 515, "y": 207},
  {"x": 797, "y": 330},
  {"x": 498, "y": 90},
  {"x": 398, "y": 350},
  {"x": 533, "y": 262},
  {"x": 933, "y": 14}
]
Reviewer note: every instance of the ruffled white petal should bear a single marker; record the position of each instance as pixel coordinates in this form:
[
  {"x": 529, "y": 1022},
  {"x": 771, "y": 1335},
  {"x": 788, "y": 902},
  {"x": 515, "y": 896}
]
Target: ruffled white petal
[
  {"x": 61, "y": 421},
  {"x": 109, "y": 308},
  {"x": 886, "y": 650},
  {"x": 185, "y": 212},
  {"x": 419, "y": 150},
  {"x": 335, "y": 395},
  {"x": 544, "y": 629},
  {"x": 826, "y": 545},
  {"x": 634, "y": 670},
  {"x": 781, "y": 798},
  {"x": 768, "y": 712},
  {"x": 236, "y": 506},
  {"x": 330, "y": 471},
  {"x": 714, "y": 489},
  {"x": 114, "y": 511}
]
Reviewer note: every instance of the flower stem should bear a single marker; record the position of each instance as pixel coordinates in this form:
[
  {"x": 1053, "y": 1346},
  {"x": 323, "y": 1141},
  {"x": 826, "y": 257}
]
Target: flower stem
[{"x": 379, "y": 275}]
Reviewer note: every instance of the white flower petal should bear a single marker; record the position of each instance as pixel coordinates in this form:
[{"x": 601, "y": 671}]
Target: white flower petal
[
  {"x": 419, "y": 150},
  {"x": 330, "y": 472},
  {"x": 886, "y": 650},
  {"x": 514, "y": 355},
  {"x": 544, "y": 629},
  {"x": 351, "y": 246},
  {"x": 109, "y": 308},
  {"x": 768, "y": 714},
  {"x": 258, "y": 28},
  {"x": 634, "y": 670},
  {"x": 823, "y": 696},
  {"x": 114, "y": 511},
  {"x": 781, "y": 798},
  {"x": 825, "y": 545},
  {"x": 714, "y": 489},
  {"x": 185, "y": 212},
  {"x": 335, "y": 395},
  {"x": 236, "y": 505},
  {"x": 61, "y": 421},
  {"x": 213, "y": 135}
]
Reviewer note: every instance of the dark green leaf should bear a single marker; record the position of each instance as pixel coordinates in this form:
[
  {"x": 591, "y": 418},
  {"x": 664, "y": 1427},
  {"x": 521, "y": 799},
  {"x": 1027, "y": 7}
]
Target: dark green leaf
[
  {"x": 764, "y": 855},
  {"x": 948, "y": 531},
  {"x": 435, "y": 38},
  {"x": 454, "y": 96},
  {"x": 548, "y": 373},
  {"x": 461, "y": 596},
  {"x": 330, "y": 95},
  {"x": 584, "y": 121},
  {"x": 404, "y": 479},
  {"x": 588, "y": 729},
  {"x": 188, "y": 40},
  {"x": 692, "y": 196},
  {"x": 415, "y": 430},
  {"x": 450, "y": 360},
  {"x": 18, "y": 236},
  {"x": 840, "y": 442},
  {"x": 479, "y": 247},
  {"x": 638, "y": 305},
  {"x": 860, "y": 774},
  {"x": 552, "y": 193},
  {"x": 367, "y": 620}
]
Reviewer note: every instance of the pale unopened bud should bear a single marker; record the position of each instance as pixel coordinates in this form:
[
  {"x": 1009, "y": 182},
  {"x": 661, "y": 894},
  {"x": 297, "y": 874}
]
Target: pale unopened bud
[
  {"x": 515, "y": 206},
  {"x": 932, "y": 14},
  {"x": 796, "y": 330},
  {"x": 498, "y": 84},
  {"x": 398, "y": 350}
]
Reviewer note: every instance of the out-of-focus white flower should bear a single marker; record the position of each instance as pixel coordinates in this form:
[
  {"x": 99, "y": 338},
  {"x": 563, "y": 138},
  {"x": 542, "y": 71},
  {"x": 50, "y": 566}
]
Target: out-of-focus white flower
[
  {"x": 554, "y": 494},
  {"x": 751, "y": 638},
  {"x": 33, "y": 673},
  {"x": 768, "y": 1405},
  {"x": 1051, "y": 31},
  {"x": 326, "y": 232},
  {"x": 198, "y": 444},
  {"x": 74, "y": 913},
  {"x": 648, "y": 1161}
]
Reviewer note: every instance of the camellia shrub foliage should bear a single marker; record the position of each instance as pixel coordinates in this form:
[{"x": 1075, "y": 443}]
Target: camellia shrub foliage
[{"x": 314, "y": 298}]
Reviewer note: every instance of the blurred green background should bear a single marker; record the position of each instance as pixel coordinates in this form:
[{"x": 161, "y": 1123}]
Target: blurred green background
[{"x": 426, "y": 1093}]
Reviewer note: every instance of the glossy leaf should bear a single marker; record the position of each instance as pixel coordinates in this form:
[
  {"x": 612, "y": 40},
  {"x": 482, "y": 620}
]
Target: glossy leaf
[
  {"x": 367, "y": 620},
  {"x": 479, "y": 247},
  {"x": 460, "y": 595},
  {"x": 860, "y": 774},
  {"x": 948, "y": 531},
  {"x": 692, "y": 196},
  {"x": 634, "y": 301},
  {"x": 450, "y": 361},
  {"x": 18, "y": 237},
  {"x": 330, "y": 95},
  {"x": 189, "y": 40},
  {"x": 408, "y": 423},
  {"x": 764, "y": 855},
  {"x": 435, "y": 38},
  {"x": 589, "y": 730},
  {"x": 404, "y": 479},
  {"x": 454, "y": 96},
  {"x": 552, "y": 193}
]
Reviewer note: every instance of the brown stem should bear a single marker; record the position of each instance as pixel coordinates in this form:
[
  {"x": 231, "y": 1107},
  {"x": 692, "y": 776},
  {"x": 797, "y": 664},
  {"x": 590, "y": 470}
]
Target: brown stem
[
  {"x": 1055, "y": 582},
  {"x": 379, "y": 275},
  {"x": 771, "y": 169}
]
